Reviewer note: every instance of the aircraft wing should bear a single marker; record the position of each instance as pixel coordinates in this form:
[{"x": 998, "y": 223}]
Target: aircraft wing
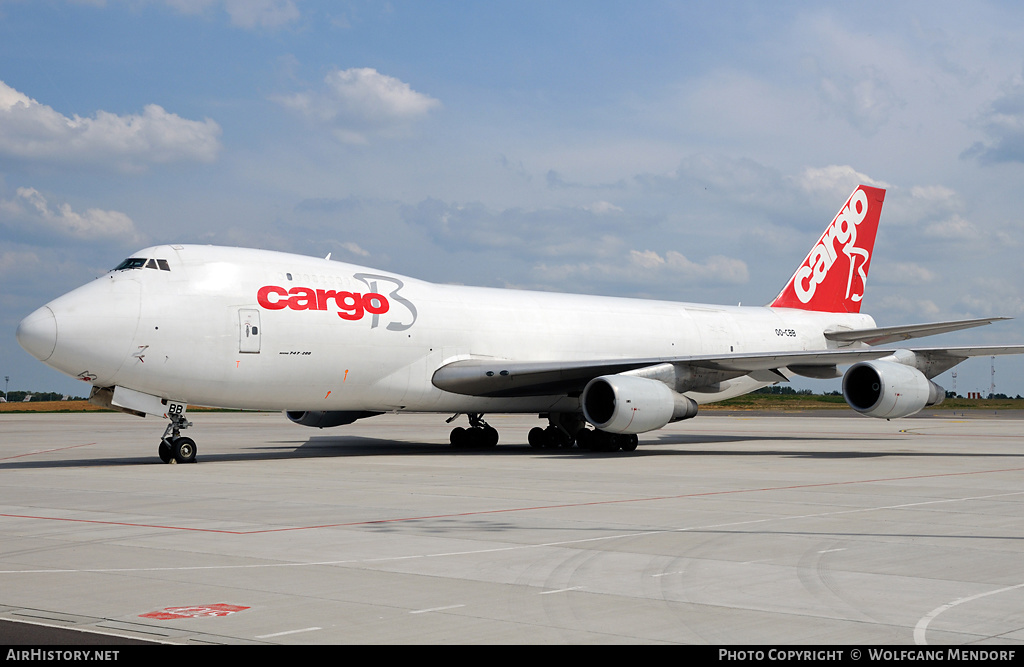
[
  {"x": 883, "y": 335},
  {"x": 506, "y": 378}
]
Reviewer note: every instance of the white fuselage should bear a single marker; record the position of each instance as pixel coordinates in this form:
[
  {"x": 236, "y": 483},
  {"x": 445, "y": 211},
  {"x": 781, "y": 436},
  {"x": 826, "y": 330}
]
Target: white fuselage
[{"x": 242, "y": 328}]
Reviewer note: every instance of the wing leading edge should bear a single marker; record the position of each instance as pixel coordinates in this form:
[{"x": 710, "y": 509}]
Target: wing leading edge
[{"x": 495, "y": 378}]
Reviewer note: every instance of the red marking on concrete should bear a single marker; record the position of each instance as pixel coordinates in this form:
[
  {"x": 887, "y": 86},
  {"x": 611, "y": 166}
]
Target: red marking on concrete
[
  {"x": 199, "y": 611},
  {"x": 371, "y": 522},
  {"x": 46, "y": 451},
  {"x": 121, "y": 523}
]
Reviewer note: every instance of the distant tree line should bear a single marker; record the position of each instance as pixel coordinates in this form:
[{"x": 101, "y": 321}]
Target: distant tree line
[
  {"x": 19, "y": 396},
  {"x": 786, "y": 390},
  {"x": 777, "y": 389},
  {"x": 783, "y": 389}
]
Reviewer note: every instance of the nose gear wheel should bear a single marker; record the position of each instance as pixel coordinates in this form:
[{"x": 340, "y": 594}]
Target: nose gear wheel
[{"x": 175, "y": 448}]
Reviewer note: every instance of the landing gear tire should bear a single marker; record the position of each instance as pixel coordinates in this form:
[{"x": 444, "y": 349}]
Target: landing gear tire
[
  {"x": 557, "y": 437},
  {"x": 603, "y": 441},
  {"x": 183, "y": 450},
  {"x": 458, "y": 437},
  {"x": 585, "y": 439},
  {"x": 475, "y": 437},
  {"x": 551, "y": 437},
  {"x": 177, "y": 450}
]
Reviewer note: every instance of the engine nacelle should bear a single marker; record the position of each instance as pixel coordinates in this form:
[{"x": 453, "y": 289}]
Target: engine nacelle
[
  {"x": 327, "y": 419},
  {"x": 628, "y": 404},
  {"x": 888, "y": 390}
]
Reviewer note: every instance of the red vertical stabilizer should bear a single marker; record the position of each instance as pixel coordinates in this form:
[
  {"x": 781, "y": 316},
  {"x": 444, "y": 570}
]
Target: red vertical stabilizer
[{"x": 833, "y": 275}]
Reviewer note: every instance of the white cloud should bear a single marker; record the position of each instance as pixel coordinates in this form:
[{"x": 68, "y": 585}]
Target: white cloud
[
  {"x": 366, "y": 92},
  {"x": 1003, "y": 122},
  {"x": 837, "y": 180},
  {"x": 248, "y": 14},
  {"x": 934, "y": 193},
  {"x": 261, "y": 13},
  {"x": 355, "y": 249},
  {"x": 360, "y": 102},
  {"x": 866, "y": 100},
  {"x": 648, "y": 268},
  {"x": 716, "y": 269},
  {"x": 548, "y": 232},
  {"x": 16, "y": 263},
  {"x": 954, "y": 228},
  {"x": 905, "y": 306},
  {"x": 907, "y": 273},
  {"x": 35, "y": 131},
  {"x": 31, "y": 209},
  {"x": 603, "y": 208}
]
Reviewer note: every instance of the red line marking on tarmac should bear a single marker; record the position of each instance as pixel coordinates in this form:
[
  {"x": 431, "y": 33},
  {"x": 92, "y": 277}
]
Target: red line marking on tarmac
[
  {"x": 507, "y": 510},
  {"x": 45, "y": 451}
]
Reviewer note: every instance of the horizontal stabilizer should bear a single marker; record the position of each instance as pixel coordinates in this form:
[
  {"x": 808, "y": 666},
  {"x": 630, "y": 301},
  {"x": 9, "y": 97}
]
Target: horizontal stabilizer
[{"x": 882, "y": 335}]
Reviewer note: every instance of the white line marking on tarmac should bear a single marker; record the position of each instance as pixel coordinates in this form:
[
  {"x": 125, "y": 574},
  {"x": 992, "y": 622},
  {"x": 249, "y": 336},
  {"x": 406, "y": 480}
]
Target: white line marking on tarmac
[
  {"x": 287, "y": 632},
  {"x": 427, "y": 611},
  {"x": 922, "y": 626},
  {"x": 560, "y": 590}
]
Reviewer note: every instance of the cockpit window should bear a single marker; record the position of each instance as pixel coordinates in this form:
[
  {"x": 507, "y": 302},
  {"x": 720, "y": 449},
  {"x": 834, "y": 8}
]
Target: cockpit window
[{"x": 140, "y": 262}]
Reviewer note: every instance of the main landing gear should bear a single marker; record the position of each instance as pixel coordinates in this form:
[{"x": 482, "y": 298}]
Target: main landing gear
[
  {"x": 479, "y": 435},
  {"x": 566, "y": 430},
  {"x": 175, "y": 448},
  {"x": 602, "y": 441},
  {"x": 590, "y": 439}
]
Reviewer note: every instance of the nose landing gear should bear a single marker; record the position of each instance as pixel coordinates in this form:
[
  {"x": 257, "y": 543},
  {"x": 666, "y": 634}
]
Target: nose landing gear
[{"x": 175, "y": 448}]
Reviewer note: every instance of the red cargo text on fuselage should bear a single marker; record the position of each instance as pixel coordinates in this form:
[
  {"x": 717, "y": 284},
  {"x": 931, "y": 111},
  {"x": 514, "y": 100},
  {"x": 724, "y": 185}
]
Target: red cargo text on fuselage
[{"x": 351, "y": 305}]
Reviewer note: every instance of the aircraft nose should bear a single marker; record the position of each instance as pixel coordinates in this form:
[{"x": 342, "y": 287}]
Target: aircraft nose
[{"x": 37, "y": 333}]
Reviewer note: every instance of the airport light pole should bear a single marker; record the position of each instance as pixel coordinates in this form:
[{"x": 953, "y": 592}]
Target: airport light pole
[{"x": 7, "y": 379}]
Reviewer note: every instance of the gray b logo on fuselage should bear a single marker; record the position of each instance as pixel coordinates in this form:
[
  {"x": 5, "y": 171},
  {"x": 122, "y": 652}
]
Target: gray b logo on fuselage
[{"x": 370, "y": 280}]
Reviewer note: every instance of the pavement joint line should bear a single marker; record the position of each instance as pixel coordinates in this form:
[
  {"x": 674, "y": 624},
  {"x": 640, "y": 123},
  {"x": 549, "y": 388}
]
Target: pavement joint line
[
  {"x": 46, "y": 451},
  {"x": 371, "y": 522},
  {"x": 516, "y": 547}
]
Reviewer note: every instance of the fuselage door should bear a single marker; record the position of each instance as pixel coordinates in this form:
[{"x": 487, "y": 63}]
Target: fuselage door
[{"x": 249, "y": 330}]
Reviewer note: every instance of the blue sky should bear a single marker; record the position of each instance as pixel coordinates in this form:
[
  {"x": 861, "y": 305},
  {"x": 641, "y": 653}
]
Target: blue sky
[{"x": 689, "y": 151}]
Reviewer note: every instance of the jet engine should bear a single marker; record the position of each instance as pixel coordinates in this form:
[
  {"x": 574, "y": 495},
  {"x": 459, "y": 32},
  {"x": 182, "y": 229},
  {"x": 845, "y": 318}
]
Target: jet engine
[
  {"x": 327, "y": 419},
  {"x": 628, "y": 404},
  {"x": 889, "y": 390}
]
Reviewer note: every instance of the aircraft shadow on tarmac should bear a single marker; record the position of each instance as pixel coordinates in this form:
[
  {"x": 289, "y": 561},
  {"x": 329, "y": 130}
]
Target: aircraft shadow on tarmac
[{"x": 360, "y": 446}]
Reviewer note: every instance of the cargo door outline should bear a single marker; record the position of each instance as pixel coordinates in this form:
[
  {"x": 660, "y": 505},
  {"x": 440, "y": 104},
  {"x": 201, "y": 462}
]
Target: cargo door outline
[{"x": 249, "y": 331}]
